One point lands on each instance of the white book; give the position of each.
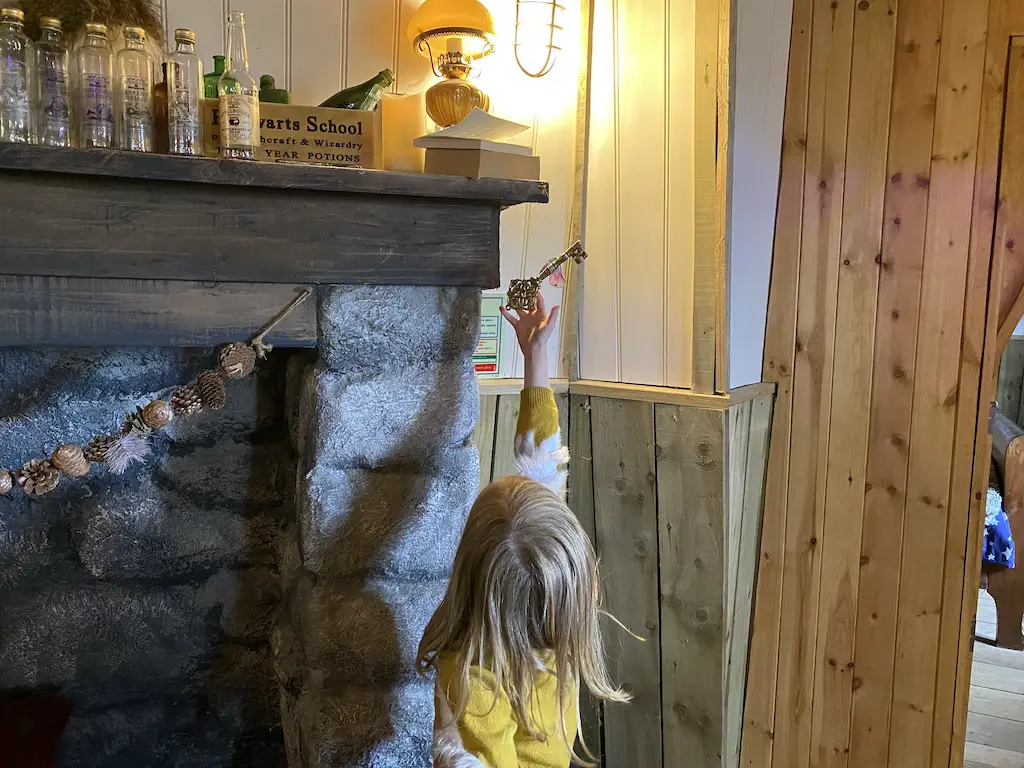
(478, 130)
(429, 142)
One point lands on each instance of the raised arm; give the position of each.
(539, 452)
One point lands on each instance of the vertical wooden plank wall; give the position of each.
(878, 311)
(678, 554)
(316, 47)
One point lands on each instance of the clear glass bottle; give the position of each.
(94, 95)
(51, 105)
(239, 97)
(133, 93)
(15, 57)
(184, 89)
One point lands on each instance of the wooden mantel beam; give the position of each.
(123, 248)
(77, 213)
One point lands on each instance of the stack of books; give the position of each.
(478, 147)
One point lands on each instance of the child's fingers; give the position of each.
(542, 305)
(507, 314)
(553, 317)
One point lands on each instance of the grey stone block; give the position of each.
(367, 633)
(172, 731)
(82, 637)
(152, 533)
(387, 522)
(408, 418)
(106, 642)
(375, 727)
(374, 328)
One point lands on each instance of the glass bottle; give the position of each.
(210, 81)
(51, 104)
(94, 95)
(184, 88)
(239, 97)
(15, 55)
(365, 96)
(133, 67)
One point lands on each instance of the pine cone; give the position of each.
(237, 360)
(38, 477)
(135, 423)
(157, 415)
(186, 401)
(96, 450)
(6, 482)
(211, 390)
(70, 459)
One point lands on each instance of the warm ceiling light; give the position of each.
(453, 34)
(537, 35)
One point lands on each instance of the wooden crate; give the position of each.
(292, 133)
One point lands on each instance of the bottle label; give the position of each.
(238, 121)
(136, 99)
(14, 90)
(55, 87)
(96, 98)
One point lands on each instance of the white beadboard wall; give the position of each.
(759, 75)
(637, 310)
(316, 47)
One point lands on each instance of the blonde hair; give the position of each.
(523, 593)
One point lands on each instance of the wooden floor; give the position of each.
(995, 725)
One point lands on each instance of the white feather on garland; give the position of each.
(127, 450)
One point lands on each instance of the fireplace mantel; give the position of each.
(100, 248)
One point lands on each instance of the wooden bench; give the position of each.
(1006, 585)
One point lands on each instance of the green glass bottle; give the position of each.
(210, 80)
(271, 94)
(365, 96)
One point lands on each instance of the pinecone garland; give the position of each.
(38, 477)
(186, 401)
(70, 459)
(237, 360)
(6, 482)
(157, 414)
(96, 450)
(211, 390)
(135, 423)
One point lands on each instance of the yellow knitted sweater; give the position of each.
(491, 735)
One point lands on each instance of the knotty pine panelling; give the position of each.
(876, 336)
(316, 47)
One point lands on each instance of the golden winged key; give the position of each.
(522, 294)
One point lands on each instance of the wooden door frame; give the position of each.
(988, 258)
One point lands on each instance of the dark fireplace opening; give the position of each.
(146, 602)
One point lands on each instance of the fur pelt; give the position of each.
(75, 14)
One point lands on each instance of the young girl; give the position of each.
(518, 627)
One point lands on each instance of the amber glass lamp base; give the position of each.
(453, 99)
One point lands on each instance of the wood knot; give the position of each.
(863, 5)
(701, 615)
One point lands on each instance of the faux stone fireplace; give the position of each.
(253, 595)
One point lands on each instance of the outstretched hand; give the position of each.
(533, 329)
